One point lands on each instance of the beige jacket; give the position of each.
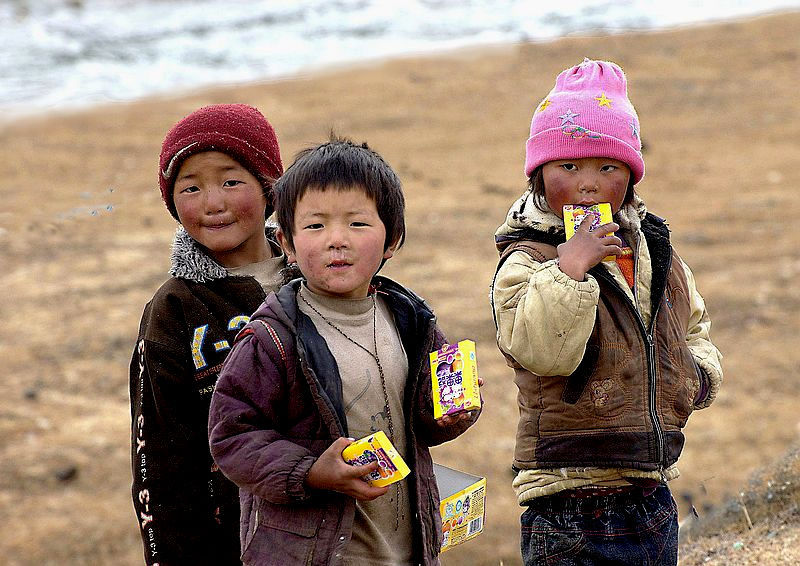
(545, 321)
(526, 292)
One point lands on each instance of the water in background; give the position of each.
(66, 53)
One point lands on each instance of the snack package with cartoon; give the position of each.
(454, 370)
(462, 505)
(377, 448)
(575, 213)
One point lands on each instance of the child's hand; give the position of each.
(461, 419)
(331, 472)
(586, 249)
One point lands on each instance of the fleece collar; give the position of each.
(190, 261)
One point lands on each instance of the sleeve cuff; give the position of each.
(709, 386)
(296, 481)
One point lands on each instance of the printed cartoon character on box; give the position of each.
(449, 373)
(385, 469)
(455, 515)
(458, 510)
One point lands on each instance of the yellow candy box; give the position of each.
(574, 214)
(454, 371)
(462, 505)
(377, 448)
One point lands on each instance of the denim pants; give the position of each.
(637, 528)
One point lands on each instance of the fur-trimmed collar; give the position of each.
(524, 216)
(190, 261)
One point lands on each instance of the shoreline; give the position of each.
(9, 116)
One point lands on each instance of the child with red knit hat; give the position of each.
(216, 173)
(607, 334)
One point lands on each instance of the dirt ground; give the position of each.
(84, 243)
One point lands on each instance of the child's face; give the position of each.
(338, 241)
(586, 181)
(221, 205)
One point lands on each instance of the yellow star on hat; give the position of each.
(602, 100)
(545, 103)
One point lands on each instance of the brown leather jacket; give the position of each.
(625, 404)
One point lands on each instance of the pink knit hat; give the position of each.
(237, 130)
(587, 114)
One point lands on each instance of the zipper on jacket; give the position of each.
(651, 376)
(652, 369)
(318, 385)
(651, 351)
(651, 357)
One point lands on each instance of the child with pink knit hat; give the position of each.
(606, 332)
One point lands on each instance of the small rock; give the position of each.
(67, 473)
(698, 238)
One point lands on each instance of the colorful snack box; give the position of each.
(377, 448)
(574, 215)
(454, 371)
(462, 505)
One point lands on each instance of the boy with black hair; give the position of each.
(336, 355)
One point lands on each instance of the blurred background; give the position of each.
(68, 53)
(445, 91)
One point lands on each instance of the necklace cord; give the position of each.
(386, 408)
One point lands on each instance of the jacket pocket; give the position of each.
(282, 534)
(577, 381)
(685, 382)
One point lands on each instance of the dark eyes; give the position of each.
(230, 183)
(319, 225)
(573, 167)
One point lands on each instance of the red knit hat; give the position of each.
(237, 130)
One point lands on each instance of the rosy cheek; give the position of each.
(186, 214)
(621, 191)
(251, 204)
(557, 195)
(251, 210)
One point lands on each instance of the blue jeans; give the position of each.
(637, 528)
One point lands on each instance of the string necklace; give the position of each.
(387, 410)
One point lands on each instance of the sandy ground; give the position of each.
(84, 242)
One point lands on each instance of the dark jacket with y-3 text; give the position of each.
(278, 406)
(187, 511)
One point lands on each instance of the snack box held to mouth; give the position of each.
(575, 213)
(462, 505)
(377, 448)
(454, 371)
